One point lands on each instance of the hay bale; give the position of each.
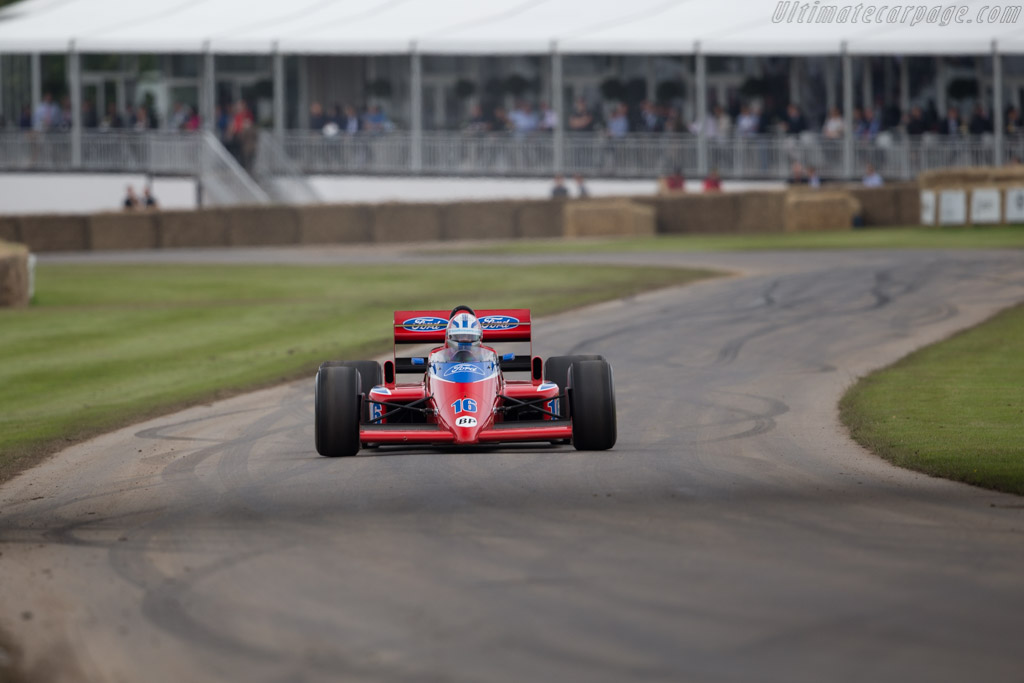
(819, 211)
(540, 218)
(399, 222)
(202, 228)
(57, 232)
(608, 218)
(117, 231)
(335, 224)
(258, 226)
(479, 220)
(760, 211)
(13, 275)
(9, 229)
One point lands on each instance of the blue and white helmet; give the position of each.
(463, 332)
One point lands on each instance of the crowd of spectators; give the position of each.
(347, 120)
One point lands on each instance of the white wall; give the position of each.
(86, 193)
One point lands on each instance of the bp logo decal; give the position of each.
(465, 421)
(499, 322)
(425, 324)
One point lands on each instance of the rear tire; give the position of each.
(338, 405)
(556, 369)
(592, 405)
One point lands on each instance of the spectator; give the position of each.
(25, 120)
(797, 175)
(813, 179)
(352, 123)
(834, 125)
(980, 122)
(476, 123)
(89, 118)
(377, 121)
(500, 121)
(673, 182)
(871, 177)
(131, 202)
(713, 183)
(524, 119)
(794, 122)
(747, 123)
(148, 199)
(650, 122)
(112, 120)
(317, 120)
(223, 119)
(1012, 122)
(193, 122)
(870, 124)
(548, 118)
(559, 191)
(179, 117)
(859, 126)
(141, 119)
(951, 125)
(46, 115)
(581, 189)
(723, 124)
(915, 124)
(581, 120)
(618, 125)
(674, 121)
(709, 124)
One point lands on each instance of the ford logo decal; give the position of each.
(425, 324)
(499, 322)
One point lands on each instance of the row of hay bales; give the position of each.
(720, 213)
(14, 275)
(966, 185)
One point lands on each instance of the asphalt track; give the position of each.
(733, 534)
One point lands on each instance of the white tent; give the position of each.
(727, 27)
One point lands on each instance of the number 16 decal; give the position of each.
(464, 405)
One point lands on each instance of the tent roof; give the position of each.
(724, 27)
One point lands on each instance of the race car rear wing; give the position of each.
(499, 326)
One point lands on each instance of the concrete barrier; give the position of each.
(819, 210)
(251, 226)
(14, 284)
(609, 218)
(540, 218)
(335, 224)
(58, 232)
(116, 231)
(492, 220)
(207, 228)
(407, 223)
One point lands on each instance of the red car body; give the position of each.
(464, 403)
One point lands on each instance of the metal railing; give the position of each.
(283, 164)
(224, 181)
(279, 176)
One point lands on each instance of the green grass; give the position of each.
(104, 346)
(869, 238)
(954, 409)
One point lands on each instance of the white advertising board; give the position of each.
(928, 207)
(985, 206)
(1015, 205)
(953, 207)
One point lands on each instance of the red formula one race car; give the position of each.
(461, 395)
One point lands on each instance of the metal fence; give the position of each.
(465, 154)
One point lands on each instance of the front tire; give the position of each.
(592, 405)
(556, 369)
(338, 405)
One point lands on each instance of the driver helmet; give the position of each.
(463, 333)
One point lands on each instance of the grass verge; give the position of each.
(954, 409)
(107, 346)
(994, 237)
